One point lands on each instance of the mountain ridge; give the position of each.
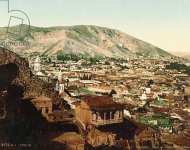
(88, 39)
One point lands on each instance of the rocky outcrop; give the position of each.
(20, 121)
(21, 75)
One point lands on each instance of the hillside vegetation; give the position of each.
(86, 40)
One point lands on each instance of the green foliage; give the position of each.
(107, 63)
(77, 57)
(111, 33)
(180, 67)
(83, 31)
(163, 121)
(21, 39)
(71, 56)
(44, 30)
(66, 57)
(95, 59)
(74, 36)
(160, 102)
(163, 53)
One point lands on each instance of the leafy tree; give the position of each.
(179, 67)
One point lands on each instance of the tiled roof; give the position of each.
(101, 102)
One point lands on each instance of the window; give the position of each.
(94, 117)
(47, 110)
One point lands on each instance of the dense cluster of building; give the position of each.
(135, 103)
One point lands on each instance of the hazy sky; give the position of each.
(165, 23)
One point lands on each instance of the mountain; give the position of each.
(87, 40)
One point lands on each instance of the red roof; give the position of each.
(101, 102)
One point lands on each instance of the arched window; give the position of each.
(98, 116)
(94, 117)
(47, 110)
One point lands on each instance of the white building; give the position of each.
(37, 65)
(59, 87)
(60, 76)
(143, 96)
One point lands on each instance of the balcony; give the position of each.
(106, 122)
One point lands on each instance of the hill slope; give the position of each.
(89, 40)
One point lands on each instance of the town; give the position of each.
(94, 75)
(123, 103)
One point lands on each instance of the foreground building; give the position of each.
(44, 105)
(103, 120)
(98, 111)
